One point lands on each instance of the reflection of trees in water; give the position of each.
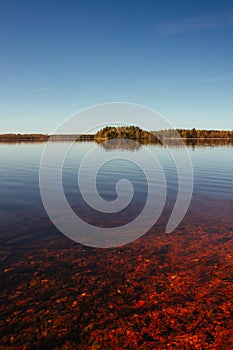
(179, 143)
(208, 142)
(120, 144)
(131, 145)
(13, 142)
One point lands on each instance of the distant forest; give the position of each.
(136, 133)
(24, 137)
(127, 132)
(195, 134)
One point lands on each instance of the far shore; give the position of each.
(127, 132)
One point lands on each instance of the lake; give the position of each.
(159, 291)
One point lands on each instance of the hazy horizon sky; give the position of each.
(58, 57)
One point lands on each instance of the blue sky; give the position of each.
(58, 57)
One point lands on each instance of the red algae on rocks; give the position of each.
(160, 292)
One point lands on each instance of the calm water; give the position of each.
(162, 291)
(21, 205)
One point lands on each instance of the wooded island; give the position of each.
(124, 132)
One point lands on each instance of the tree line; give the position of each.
(130, 132)
(125, 132)
(136, 133)
(194, 134)
(29, 137)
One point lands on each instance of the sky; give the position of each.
(57, 57)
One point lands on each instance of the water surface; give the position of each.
(162, 289)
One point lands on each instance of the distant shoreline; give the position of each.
(152, 136)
